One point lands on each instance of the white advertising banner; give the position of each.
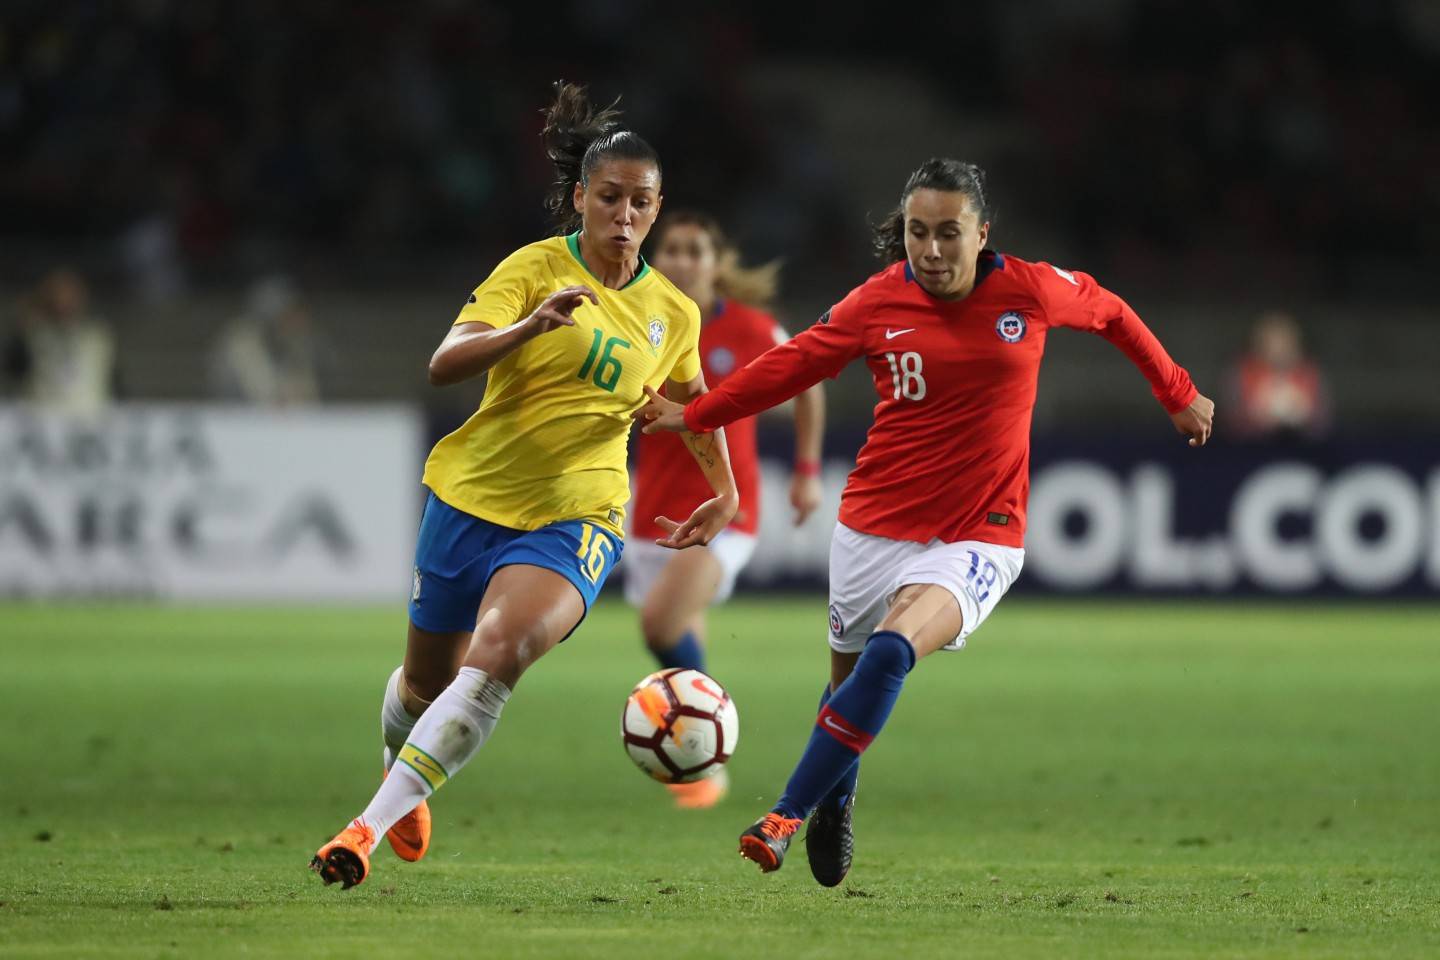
(1340, 521)
(210, 503)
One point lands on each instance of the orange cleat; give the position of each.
(410, 837)
(347, 857)
(767, 840)
(702, 794)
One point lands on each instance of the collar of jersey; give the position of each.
(715, 312)
(985, 264)
(573, 242)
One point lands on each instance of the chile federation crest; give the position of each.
(1011, 326)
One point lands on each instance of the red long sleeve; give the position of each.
(783, 371)
(1074, 299)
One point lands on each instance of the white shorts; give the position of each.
(867, 571)
(643, 560)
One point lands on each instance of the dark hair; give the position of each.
(755, 286)
(577, 138)
(937, 173)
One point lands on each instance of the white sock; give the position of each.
(452, 730)
(395, 721)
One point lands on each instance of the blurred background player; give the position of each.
(932, 520)
(672, 589)
(1278, 391)
(527, 498)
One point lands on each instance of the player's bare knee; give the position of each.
(531, 643)
(657, 628)
(505, 649)
(497, 657)
(494, 640)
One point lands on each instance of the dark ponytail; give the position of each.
(577, 138)
(937, 173)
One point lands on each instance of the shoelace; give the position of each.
(777, 827)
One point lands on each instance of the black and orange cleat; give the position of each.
(767, 840)
(346, 858)
(830, 842)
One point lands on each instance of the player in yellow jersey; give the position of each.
(527, 498)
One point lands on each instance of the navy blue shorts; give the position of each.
(457, 554)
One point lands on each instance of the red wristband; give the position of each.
(807, 468)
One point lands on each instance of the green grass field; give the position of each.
(1085, 780)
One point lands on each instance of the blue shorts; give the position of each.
(457, 554)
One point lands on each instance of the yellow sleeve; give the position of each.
(505, 296)
(687, 364)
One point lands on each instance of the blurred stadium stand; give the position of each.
(1212, 165)
(387, 156)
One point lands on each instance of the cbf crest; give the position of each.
(1011, 326)
(657, 333)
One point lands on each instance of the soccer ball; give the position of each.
(679, 725)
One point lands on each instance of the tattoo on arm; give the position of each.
(703, 446)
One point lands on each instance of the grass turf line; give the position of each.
(1086, 779)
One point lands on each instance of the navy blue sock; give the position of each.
(686, 653)
(847, 724)
(839, 793)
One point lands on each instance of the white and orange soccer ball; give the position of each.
(679, 725)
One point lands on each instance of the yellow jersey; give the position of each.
(549, 439)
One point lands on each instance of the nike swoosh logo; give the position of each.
(699, 684)
(830, 722)
(892, 334)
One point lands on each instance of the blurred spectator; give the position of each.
(1279, 393)
(61, 356)
(269, 355)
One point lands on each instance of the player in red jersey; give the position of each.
(932, 520)
(670, 588)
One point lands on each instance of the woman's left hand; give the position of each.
(709, 519)
(805, 495)
(1197, 420)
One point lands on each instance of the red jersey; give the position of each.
(667, 484)
(948, 456)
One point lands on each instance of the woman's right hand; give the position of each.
(471, 348)
(556, 311)
(660, 413)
